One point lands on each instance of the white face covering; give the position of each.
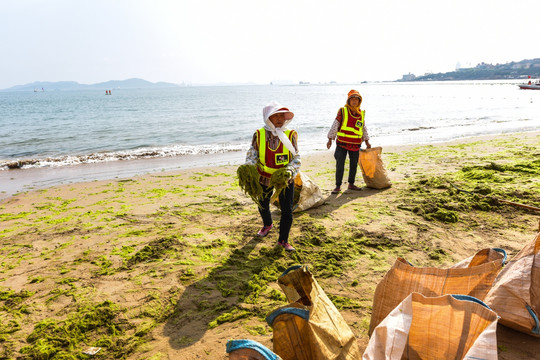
(270, 110)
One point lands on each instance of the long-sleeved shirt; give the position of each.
(335, 128)
(252, 156)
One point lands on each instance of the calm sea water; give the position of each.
(58, 128)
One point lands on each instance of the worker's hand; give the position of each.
(368, 145)
(329, 143)
(289, 173)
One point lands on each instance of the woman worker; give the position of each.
(274, 147)
(350, 129)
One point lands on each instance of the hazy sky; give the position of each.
(258, 40)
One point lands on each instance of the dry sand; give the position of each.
(67, 248)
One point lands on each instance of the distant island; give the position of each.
(512, 70)
(109, 85)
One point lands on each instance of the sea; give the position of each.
(64, 132)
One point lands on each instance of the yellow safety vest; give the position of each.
(281, 155)
(351, 134)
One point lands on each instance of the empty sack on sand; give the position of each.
(473, 276)
(444, 327)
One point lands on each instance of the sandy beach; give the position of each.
(166, 265)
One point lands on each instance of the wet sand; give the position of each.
(21, 180)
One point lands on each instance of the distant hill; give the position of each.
(109, 85)
(512, 70)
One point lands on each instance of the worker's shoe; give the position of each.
(286, 246)
(265, 230)
(336, 190)
(354, 187)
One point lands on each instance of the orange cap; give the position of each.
(354, 93)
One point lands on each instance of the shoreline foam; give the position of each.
(20, 180)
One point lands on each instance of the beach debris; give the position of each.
(92, 350)
(248, 180)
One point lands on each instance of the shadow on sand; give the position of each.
(332, 202)
(220, 292)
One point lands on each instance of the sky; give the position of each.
(258, 41)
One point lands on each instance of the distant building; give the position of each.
(408, 77)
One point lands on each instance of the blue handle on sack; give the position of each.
(470, 298)
(304, 314)
(233, 345)
(499, 250)
(292, 268)
(535, 330)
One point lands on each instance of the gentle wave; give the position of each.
(142, 153)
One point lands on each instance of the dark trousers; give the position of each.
(286, 203)
(340, 154)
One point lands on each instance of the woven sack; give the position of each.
(473, 277)
(373, 169)
(515, 294)
(307, 194)
(291, 333)
(445, 327)
(310, 327)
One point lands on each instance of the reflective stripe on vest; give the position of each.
(263, 147)
(351, 134)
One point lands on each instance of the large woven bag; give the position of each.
(373, 169)
(444, 327)
(515, 294)
(310, 327)
(473, 276)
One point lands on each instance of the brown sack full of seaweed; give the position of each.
(373, 169)
(515, 294)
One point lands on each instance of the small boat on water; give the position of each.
(530, 85)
